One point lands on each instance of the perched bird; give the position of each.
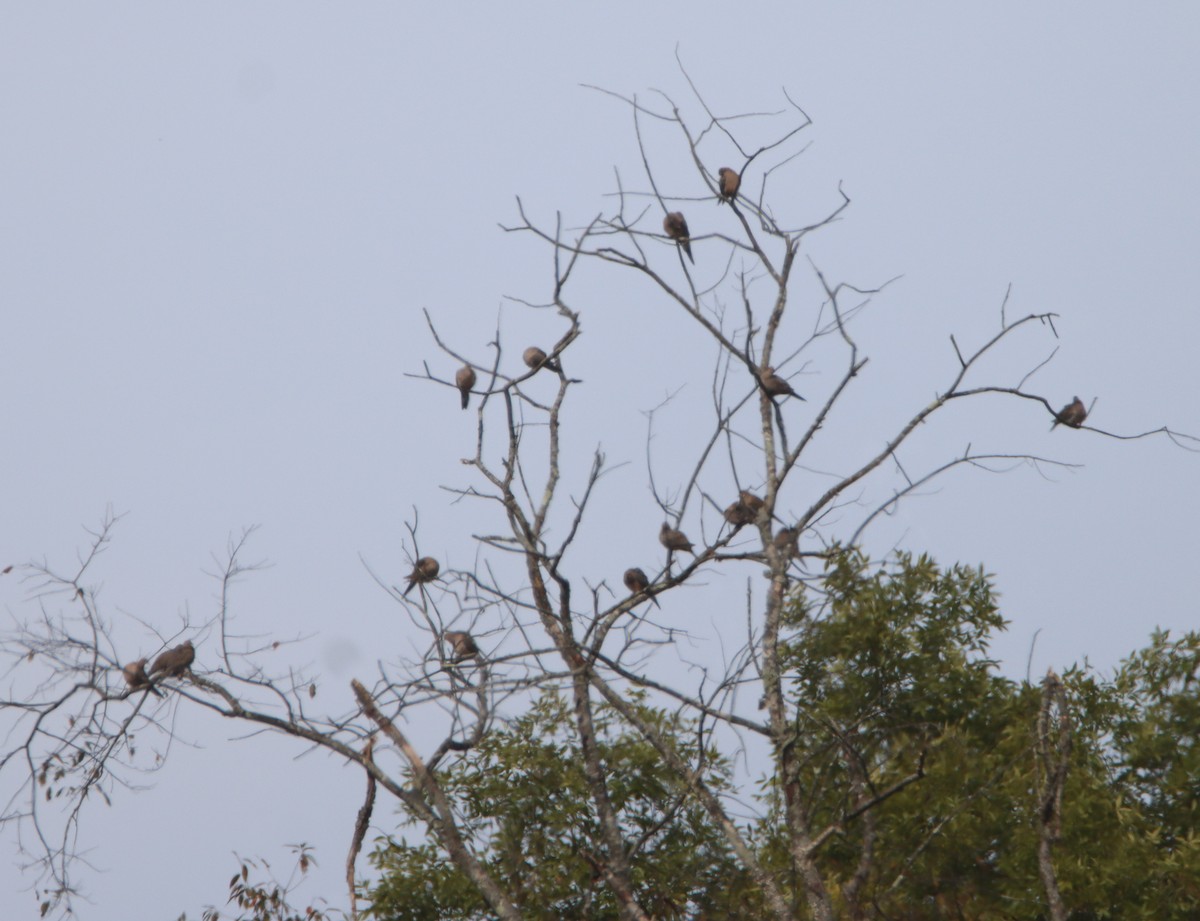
(788, 541)
(674, 540)
(463, 645)
(535, 358)
(426, 570)
(728, 183)
(464, 380)
(135, 677)
(1072, 414)
(677, 229)
(774, 385)
(740, 514)
(754, 502)
(636, 582)
(174, 662)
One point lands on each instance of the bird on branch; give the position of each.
(674, 540)
(535, 358)
(426, 570)
(174, 662)
(728, 183)
(677, 229)
(740, 514)
(787, 542)
(463, 645)
(136, 678)
(638, 584)
(1072, 414)
(464, 380)
(776, 386)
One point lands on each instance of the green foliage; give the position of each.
(887, 673)
(524, 798)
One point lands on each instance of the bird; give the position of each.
(774, 385)
(674, 540)
(787, 541)
(535, 358)
(676, 228)
(739, 514)
(728, 184)
(748, 498)
(463, 645)
(636, 582)
(1072, 414)
(174, 662)
(136, 678)
(464, 380)
(426, 570)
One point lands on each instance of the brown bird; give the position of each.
(674, 540)
(463, 645)
(426, 570)
(740, 514)
(135, 677)
(464, 380)
(677, 229)
(535, 358)
(788, 541)
(728, 184)
(774, 385)
(174, 662)
(1072, 414)
(753, 501)
(636, 582)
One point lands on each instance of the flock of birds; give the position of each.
(176, 662)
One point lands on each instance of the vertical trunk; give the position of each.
(1053, 745)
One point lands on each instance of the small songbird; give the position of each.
(774, 385)
(677, 229)
(787, 541)
(535, 358)
(426, 570)
(463, 645)
(674, 540)
(740, 514)
(464, 380)
(174, 662)
(1072, 414)
(728, 182)
(136, 678)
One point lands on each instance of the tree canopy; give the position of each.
(829, 740)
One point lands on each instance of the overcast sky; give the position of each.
(219, 224)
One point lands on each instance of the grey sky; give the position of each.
(219, 224)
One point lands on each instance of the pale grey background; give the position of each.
(219, 223)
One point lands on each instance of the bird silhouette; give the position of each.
(775, 385)
(174, 662)
(740, 514)
(535, 358)
(728, 183)
(136, 678)
(676, 228)
(426, 570)
(464, 380)
(463, 645)
(787, 541)
(674, 540)
(1072, 414)
(636, 582)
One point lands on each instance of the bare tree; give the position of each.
(528, 616)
